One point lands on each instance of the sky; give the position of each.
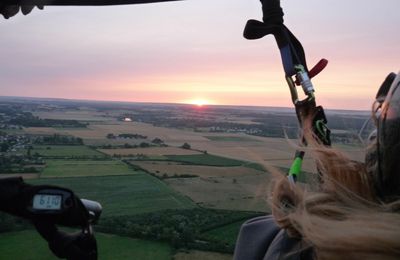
(193, 51)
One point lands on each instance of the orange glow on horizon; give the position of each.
(199, 102)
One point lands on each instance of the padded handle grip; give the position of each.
(80, 2)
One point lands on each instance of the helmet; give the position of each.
(383, 158)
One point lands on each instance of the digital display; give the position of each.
(47, 202)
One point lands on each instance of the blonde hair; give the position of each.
(342, 218)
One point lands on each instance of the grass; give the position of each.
(205, 159)
(255, 166)
(156, 157)
(124, 195)
(27, 245)
(230, 138)
(65, 151)
(24, 245)
(117, 247)
(212, 160)
(227, 233)
(74, 168)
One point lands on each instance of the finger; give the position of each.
(26, 9)
(9, 11)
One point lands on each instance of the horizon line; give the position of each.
(167, 103)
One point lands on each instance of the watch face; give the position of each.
(47, 202)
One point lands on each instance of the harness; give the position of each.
(296, 74)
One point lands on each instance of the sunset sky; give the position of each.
(180, 52)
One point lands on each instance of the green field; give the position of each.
(230, 138)
(227, 233)
(65, 151)
(212, 160)
(74, 168)
(124, 195)
(205, 159)
(28, 244)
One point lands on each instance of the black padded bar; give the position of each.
(81, 2)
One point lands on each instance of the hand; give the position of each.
(10, 10)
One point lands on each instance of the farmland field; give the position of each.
(167, 134)
(41, 130)
(170, 169)
(74, 168)
(124, 195)
(80, 115)
(162, 193)
(205, 159)
(28, 245)
(65, 151)
(228, 138)
(95, 133)
(273, 151)
(117, 247)
(238, 193)
(151, 151)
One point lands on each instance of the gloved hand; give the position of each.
(73, 246)
(16, 197)
(10, 10)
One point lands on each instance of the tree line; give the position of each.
(181, 228)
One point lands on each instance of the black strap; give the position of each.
(292, 52)
(272, 12)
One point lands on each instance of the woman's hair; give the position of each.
(340, 216)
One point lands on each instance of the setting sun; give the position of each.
(198, 102)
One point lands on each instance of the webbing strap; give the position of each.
(292, 52)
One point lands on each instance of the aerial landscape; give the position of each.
(178, 178)
(184, 121)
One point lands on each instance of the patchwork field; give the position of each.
(159, 192)
(95, 134)
(230, 138)
(151, 151)
(42, 130)
(247, 192)
(205, 159)
(172, 169)
(85, 114)
(28, 245)
(75, 168)
(65, 151)
(124, 195)
(167, 134)
(272, 151)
